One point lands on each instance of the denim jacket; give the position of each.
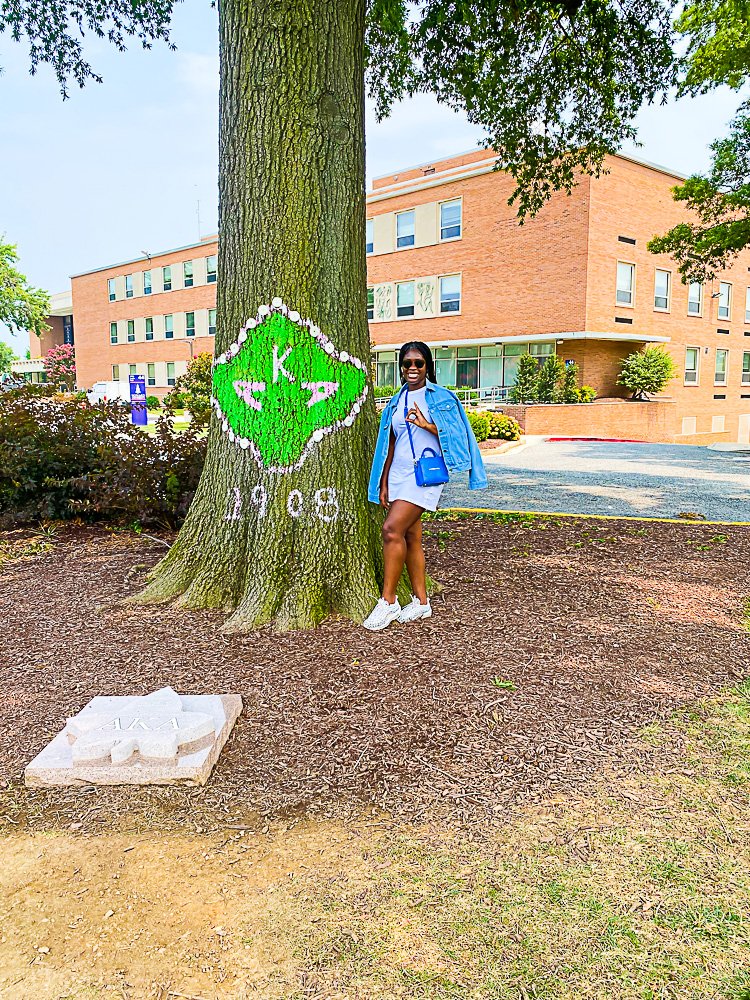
(457, 441)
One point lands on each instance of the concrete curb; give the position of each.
(592, 517)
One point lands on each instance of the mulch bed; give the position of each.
(600, 625)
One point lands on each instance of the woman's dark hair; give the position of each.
(418, 345)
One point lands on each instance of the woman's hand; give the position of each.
(384, 495)
(416, 417)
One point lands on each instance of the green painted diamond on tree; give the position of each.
(283, 385)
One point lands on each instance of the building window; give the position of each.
(695, 298)
(113, 333)
(450, 220)
(170, 372)
(692, 361)
(662, 290)
(149, 328)
(369, 238)
(128, 286)
(747, 305)
(151, 377)
(211, 270)
(370, 303)
(720, 371)
(169, 327)
(405, 229)
(187, 273)
(212, 322)
(166, 277)
(146, 282)
(625, 283)
(132, 370)
(746, 368)
(725, 299)
(115, 373)
(111, 287)
(405, 298)
(450, 293)
(386, 368)
(190, 324)
(131, 331)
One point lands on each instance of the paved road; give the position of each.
(635, 480)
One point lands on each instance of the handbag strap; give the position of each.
(408, 422)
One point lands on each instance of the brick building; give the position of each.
(448, 264)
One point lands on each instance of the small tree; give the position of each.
(569, 391)
(60, 365)
(7, 357)
(22, 307)
(194, 387)
(525, 390)
(647, 371)
(548, 381)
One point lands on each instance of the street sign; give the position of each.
(138, 409)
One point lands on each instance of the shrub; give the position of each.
(480, 424)
(548, 381)
(60, 365)
(587, 394)
(59, 459)
(384, 391)
(153, 402)
(569, 391)
(193, 390)
(525, 388)
(502, 427)
(647, 371)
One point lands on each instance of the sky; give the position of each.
(130, 165)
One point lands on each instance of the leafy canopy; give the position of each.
(7, 357)
(556, 84)
(22, 307)
(60, 365)
(647, 371)
(717, 33)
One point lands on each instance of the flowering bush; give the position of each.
(505, 428)
(60, 366)
(61, 459)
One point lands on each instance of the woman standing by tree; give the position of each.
(424, 435)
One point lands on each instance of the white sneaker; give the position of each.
(415, 610)
(382, 615)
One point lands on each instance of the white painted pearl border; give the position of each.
(264, 311)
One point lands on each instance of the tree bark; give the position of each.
(288, 546)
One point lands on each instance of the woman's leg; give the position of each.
(415, 563)
(400, 518)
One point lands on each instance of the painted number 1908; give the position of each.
(323, 505)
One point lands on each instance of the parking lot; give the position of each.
(623, 479)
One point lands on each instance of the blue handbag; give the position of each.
(430, 468)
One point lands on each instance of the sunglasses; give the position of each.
(413, 364)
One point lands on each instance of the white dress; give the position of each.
(402, 482)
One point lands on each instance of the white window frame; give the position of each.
(625, 305)
(413, 234)
(171, 379)
(132, 370)
(451, 201)
(450, 312)
(700, 299)
(113, 330)
(164, 282)
(149, 319)
(212, 327)
(747, 304)
(369, 231)
(725, 352)
(211, 275)
(403, 284)
(188, 277)
(188, 328)
(147, 287)
(111, 289)
(128, 286)
(115, 373)
(745, 377)
(668, 307)
(169, 316)
(687, 381)
(130, 335)
(370, 308)
(719, 307)
(151, 379)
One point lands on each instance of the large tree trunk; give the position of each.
(280, 529)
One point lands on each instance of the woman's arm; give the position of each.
(415, 416)
(387, 469)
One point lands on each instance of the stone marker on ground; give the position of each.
(158, 739)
